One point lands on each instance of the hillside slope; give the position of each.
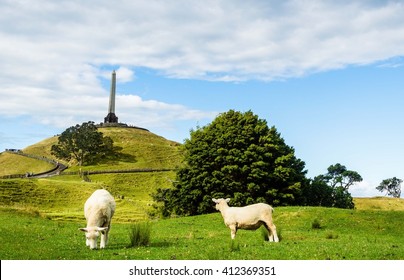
(11, 164)
(379, 203)
(62, 197)
(135, 148)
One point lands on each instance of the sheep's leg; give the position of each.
(104, 238)
(273, 232)
(233, 230)
(272, 235)
(104, 235)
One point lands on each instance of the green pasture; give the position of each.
(39, 219)
(341, 235)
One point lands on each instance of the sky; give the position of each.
(329, 75)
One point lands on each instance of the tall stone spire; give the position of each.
(111, 117)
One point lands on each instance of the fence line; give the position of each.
(136, 170)
(57, 166)
(83, 174)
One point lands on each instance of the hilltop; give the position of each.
(135, 148)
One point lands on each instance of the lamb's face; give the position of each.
(220, 203)
(91, 238)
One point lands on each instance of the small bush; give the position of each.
(316, 224)
(139, 234)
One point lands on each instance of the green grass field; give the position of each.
(343, 235)
(39, 219)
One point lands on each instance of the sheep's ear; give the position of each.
(214, 200)
(102, 228)
(83, 229)
(227, 200)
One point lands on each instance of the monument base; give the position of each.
(119, 125)
(111, 118)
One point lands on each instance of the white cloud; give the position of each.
(211, 40)
(123, 74)
(55, 54)
(133, 110)
(365, 189)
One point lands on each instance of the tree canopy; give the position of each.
(339, 175)
(392, 187)
(331, 189)
(236, 156)
(83, 143)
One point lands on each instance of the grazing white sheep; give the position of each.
(98, 210)
(250, 217)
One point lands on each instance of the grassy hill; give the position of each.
(15, 164)
(379, 203)
(135, 148)
(62, 197)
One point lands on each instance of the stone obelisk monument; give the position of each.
(111, 117)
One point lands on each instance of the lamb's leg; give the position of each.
(272, 235)
(104, 237)
(233, 230)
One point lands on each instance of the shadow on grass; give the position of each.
(115, 157)
(127, 245)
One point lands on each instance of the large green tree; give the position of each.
(83, 143)
(236, 156)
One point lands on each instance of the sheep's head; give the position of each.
(220, 203)
(92, 234)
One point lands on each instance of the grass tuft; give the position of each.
(139, 234)
(234, 246)
(331, 235)
(316, 224)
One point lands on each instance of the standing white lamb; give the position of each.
(250, 217)
(98, 210)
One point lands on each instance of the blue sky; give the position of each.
(328, 75)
